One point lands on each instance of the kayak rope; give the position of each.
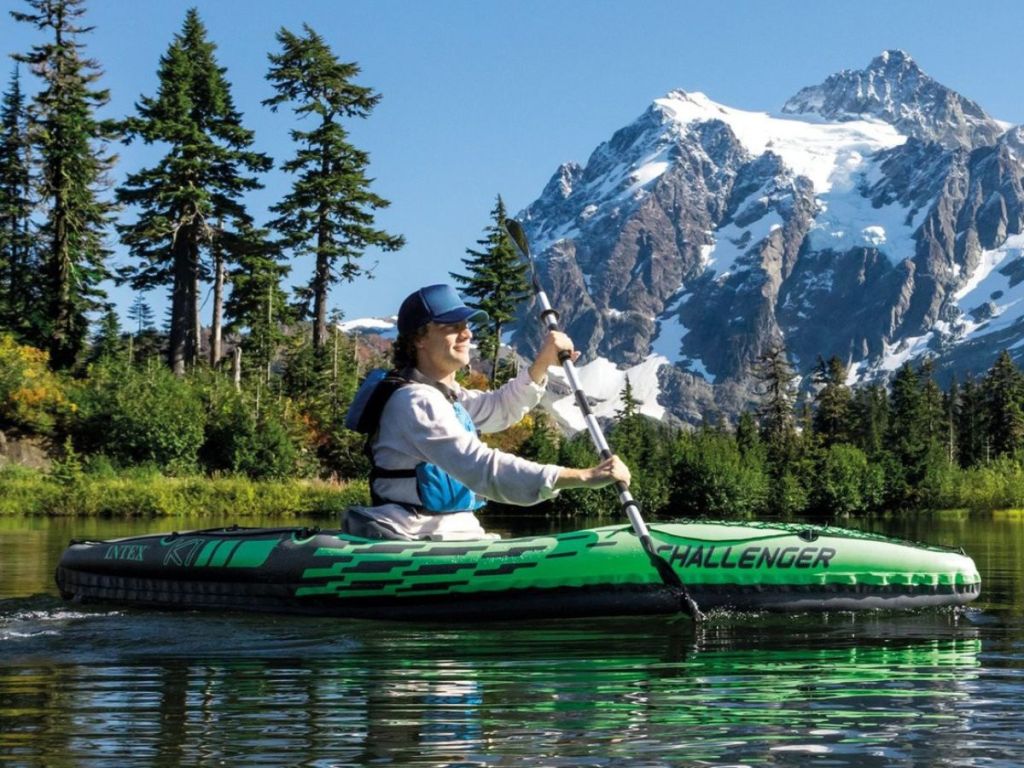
(811, 531)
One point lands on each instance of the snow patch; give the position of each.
(896, 354)
(987, 285)
(603, 383)
(874, 235)
(668, 339)
(823, 152)
(732, 242)
(847, 219)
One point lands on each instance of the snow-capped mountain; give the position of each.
(385, 327)
(878, 216)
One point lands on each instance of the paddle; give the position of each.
(549, 317)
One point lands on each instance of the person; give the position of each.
(431, 471)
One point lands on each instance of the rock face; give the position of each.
(878, 217)
(25, 452)
(894, 89)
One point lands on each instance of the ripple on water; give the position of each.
(138, 687)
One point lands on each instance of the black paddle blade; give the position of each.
(515, 231)
(671, 579)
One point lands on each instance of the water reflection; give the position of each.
(132, 688)
(97, 686)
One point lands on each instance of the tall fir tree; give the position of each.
(141, 314)
(777, 391)
(329, 212)
(908, 436)
(495, 281)
(1004, 406)
(257, 303)
(19, 290)
(951, 415)
(933, 411)
(630, 403)
(71, 146)
(870, 415)
(209, 165)
(907, 426)
(776, 388)
(971, 430)
(748, 439)
(108, 342)
(629, 430)
(542, 443)
(832, 415)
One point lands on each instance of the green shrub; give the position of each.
(840, 485)
(138, 417)
(712, 478)
(269, 446)
(584, 502)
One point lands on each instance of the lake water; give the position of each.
(102, 687)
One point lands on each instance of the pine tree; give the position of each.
(198, 182)
(870, 412)
(950, 413)
(630, 404)
(329, 211)
(832, 416)
(107, 342)
(907, 429)
(542, 444)
(19, 292)
(748, 440)
(775, 378)
(71, 145)
(141, 314)
(629, 432)
(495, 281)
(908, 436)
(778, 429)
(933, 411)
(257, 302)
(1004, 406)
(971, 429)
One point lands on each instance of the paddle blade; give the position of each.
(515, 231)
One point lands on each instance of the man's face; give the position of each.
(444, 348)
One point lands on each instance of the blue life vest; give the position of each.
(439, 492)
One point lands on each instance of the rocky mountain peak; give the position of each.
(895, 89)
(886, 224)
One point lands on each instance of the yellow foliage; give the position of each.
(474, 380)
(511, 440)
(31, 396)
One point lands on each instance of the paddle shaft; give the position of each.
(550, 319)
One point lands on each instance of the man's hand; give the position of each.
(554, 344)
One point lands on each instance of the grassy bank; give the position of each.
(27, 492)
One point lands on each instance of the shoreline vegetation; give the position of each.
(128, 438)
(141, 493)
(32, 493)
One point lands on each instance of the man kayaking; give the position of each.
(431, 471)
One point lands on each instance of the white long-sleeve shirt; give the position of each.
(418, 424)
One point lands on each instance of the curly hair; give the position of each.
(403, 352)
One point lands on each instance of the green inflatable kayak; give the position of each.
(594, 572)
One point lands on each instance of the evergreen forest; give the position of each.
(238, 403)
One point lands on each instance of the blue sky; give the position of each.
(482, 98)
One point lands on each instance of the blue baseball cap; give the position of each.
(435, 304)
